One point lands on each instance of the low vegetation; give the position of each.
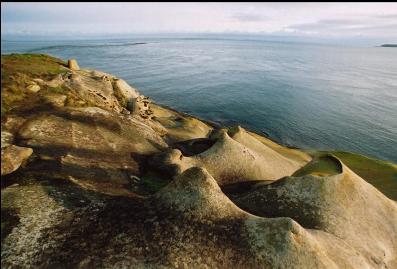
(17, 73)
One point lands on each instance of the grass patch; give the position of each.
(18, 70)
(37, 65)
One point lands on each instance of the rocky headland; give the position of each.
(389, 45)
(96, 175)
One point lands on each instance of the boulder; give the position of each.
(33, 88)
(73, 65)
(38, 81)
(125, 90)
(56, 100)
(11, 123)
(55, 82)
(7, 139)
(12, 157)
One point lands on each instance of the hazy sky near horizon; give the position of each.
(370, 20)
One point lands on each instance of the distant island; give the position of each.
(389, 45)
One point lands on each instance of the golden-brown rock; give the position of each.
(73, 65)
(12, 157)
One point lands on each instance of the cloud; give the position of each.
(248, 17)
(105, 18)
(387, 16)
(366, 25)
(323, 25)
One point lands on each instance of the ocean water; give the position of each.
(304, 95)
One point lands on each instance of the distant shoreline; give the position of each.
(388, 46)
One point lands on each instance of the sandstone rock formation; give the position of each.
(56, 100)
(196, 194)
(94, 90)
(189, 223)
(91, 144)
(229, 160)
(339, 203)
(12, 157)
(117, 181)
(125, 90)
(57, 81)
(140, 105)
(33, 88)
(7, 138)
(73, 65)
(180, 127)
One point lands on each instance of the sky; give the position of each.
(331, 20)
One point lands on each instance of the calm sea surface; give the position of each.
(304, 95)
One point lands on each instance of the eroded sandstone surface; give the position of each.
(96, 175)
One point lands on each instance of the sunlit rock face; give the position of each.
(339, 203)
(12, 157)
(73, 65)
(230, 160)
